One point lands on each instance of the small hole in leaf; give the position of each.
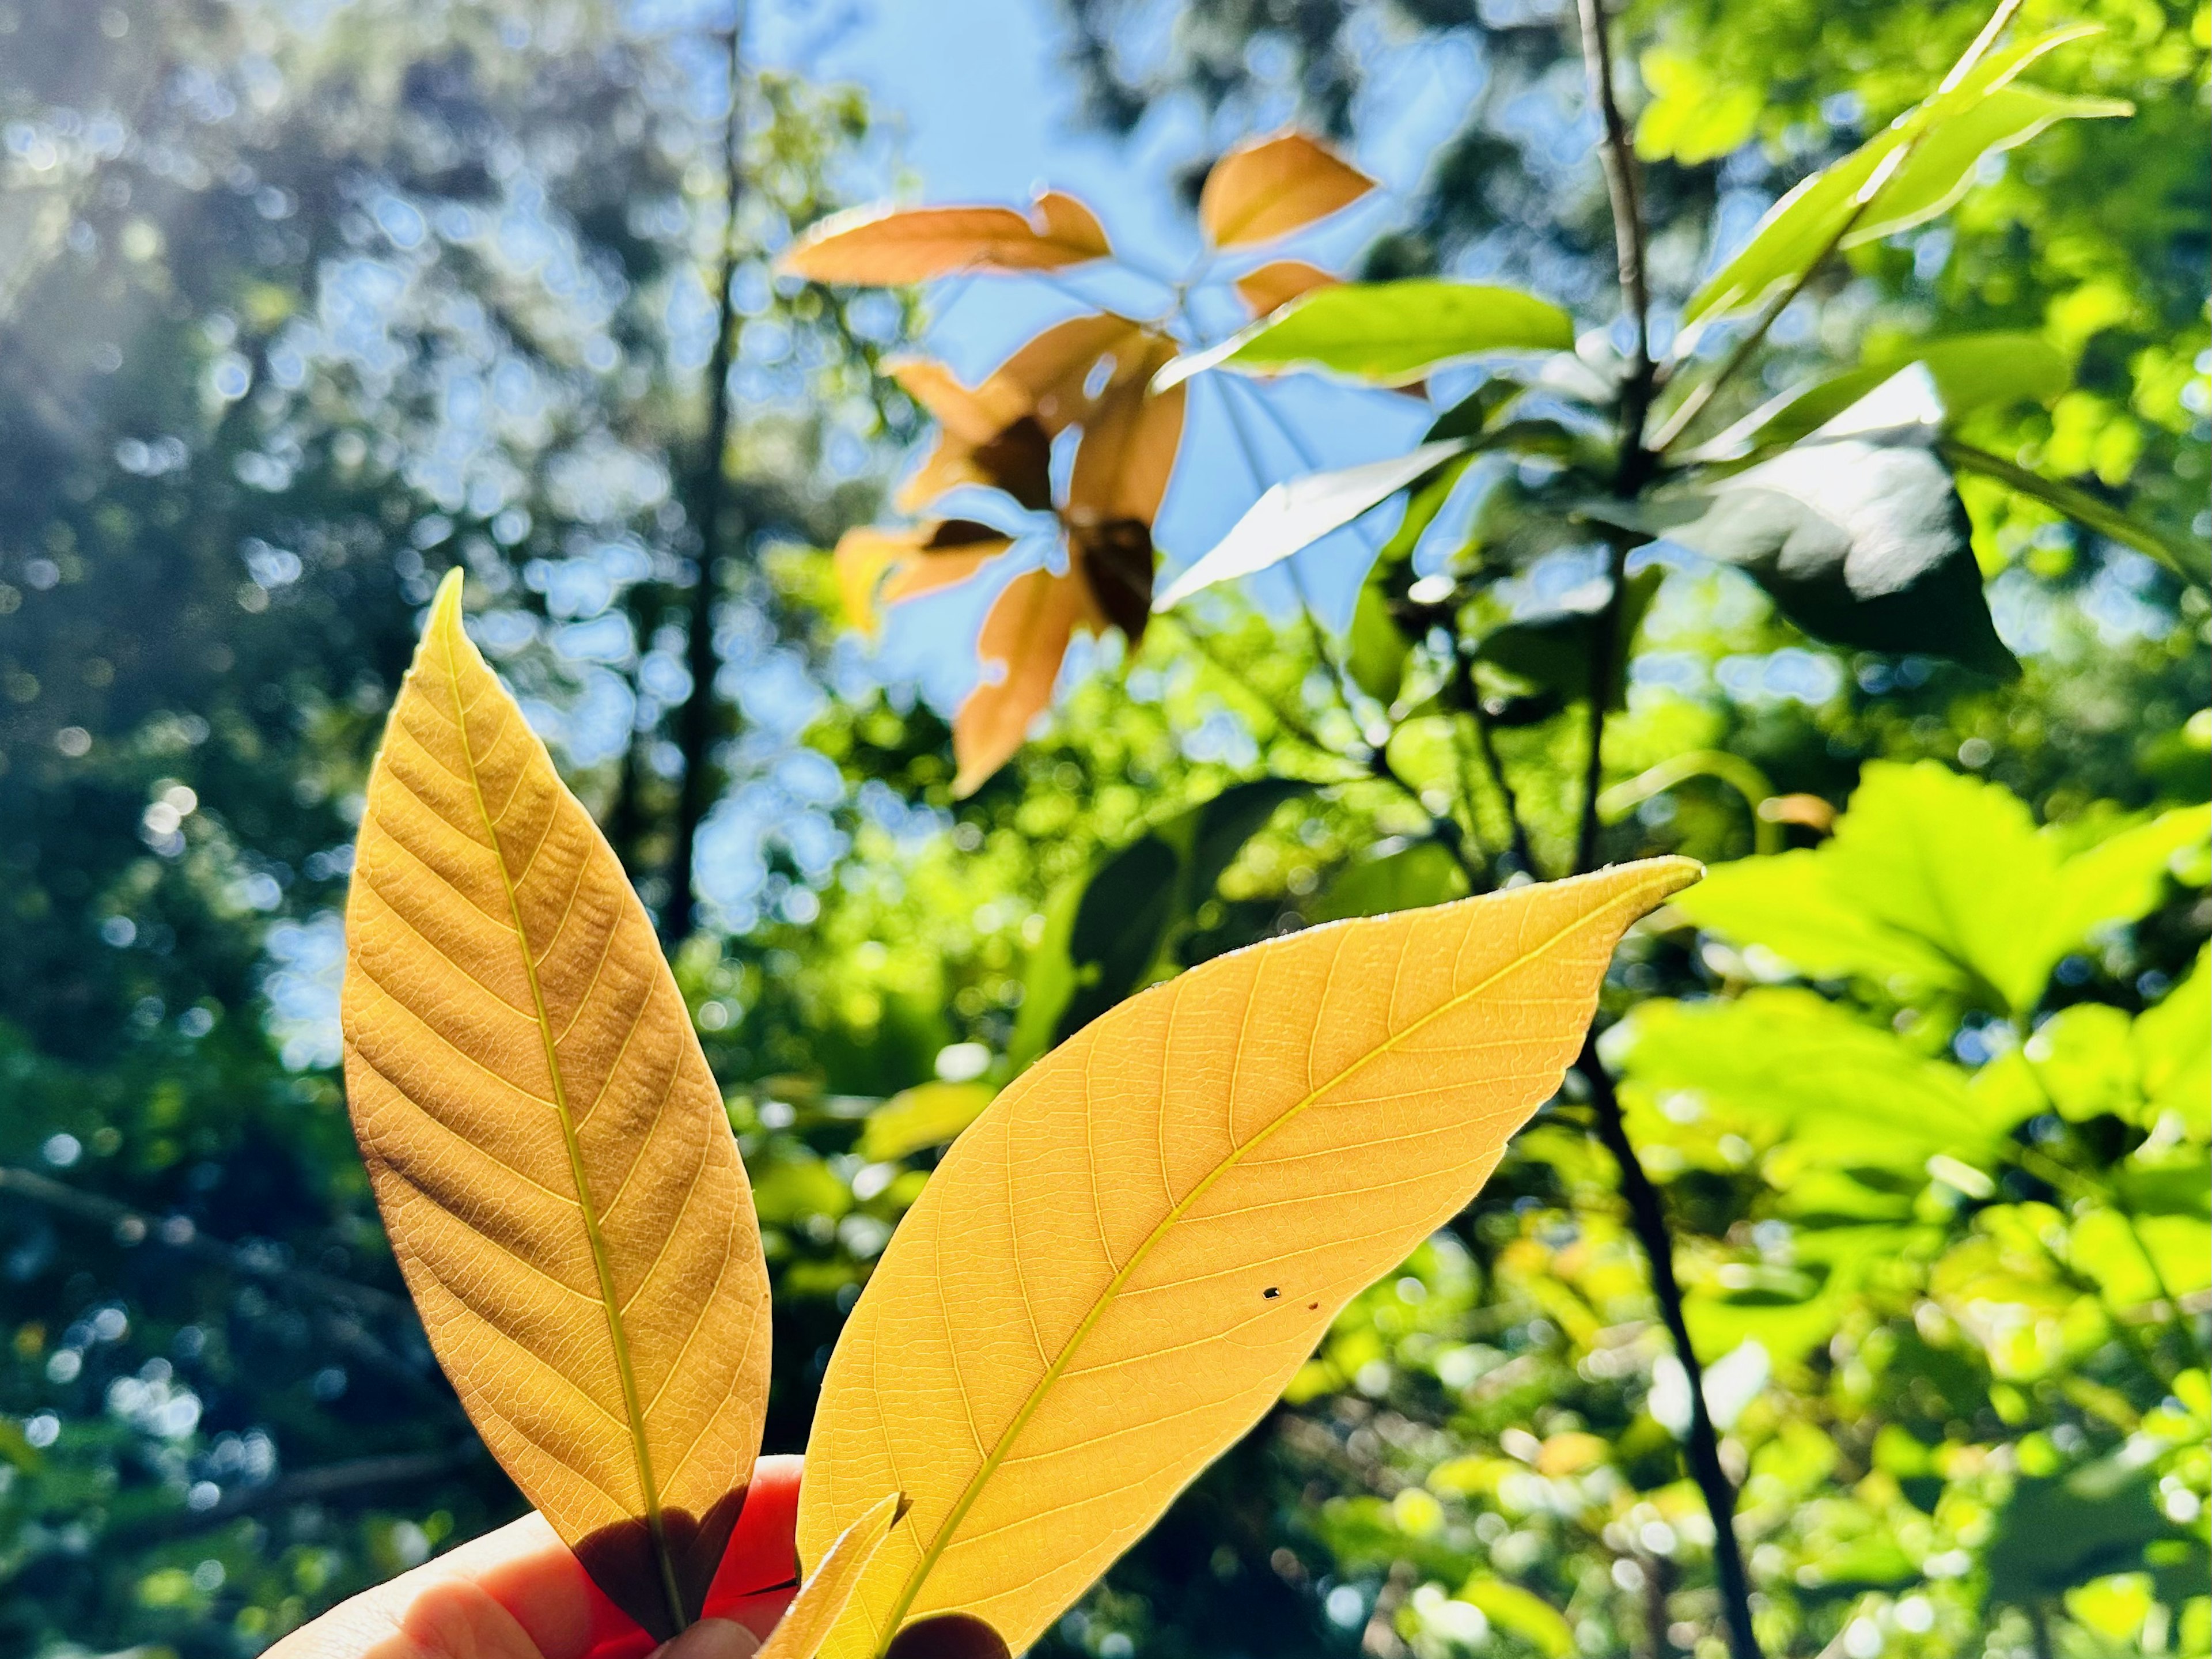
(1270, 1292)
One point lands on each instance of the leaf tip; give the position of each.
(1668, 876)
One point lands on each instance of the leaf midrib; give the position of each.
(942, 1539)
(602, 1266)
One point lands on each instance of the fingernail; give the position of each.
(712, 1638)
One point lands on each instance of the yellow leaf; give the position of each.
(1120, 1265)
(1273, 186)
(1025, 635)
(881, 247)
(927, 1114)
(799, 1634)
(548, 1147)
(1274, 285)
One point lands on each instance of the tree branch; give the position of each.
(711, 505)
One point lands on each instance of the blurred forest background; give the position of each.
(304, 301)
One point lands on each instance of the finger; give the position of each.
(712, 1638)
(517, 1592)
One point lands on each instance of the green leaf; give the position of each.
(1521, 1613)
(1550, 652)
(1409, 878)
(2173, 1049)
(1971, 372)
(2057, 1533)
(1376, 647)
(1697, 113)
(1938, 883)
(1111, 931)
(1985, 113)
(1781, 1064)
(1300, 512)
(2187, 560)
(1386, 333)
(1857, 534)
(927, 1114)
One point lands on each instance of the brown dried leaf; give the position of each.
(1273, 186)
(881, 246)
(1025, 636)
(1046, 379)
(1129, 443)
(877, 567)
(1275, 284)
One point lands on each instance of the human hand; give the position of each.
(518, 1593)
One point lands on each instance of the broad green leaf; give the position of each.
(1938, 882)
(927, 1114)
(2173, 1049)
(1116, 1271)
(1110, 931)
(830, 1582)
(1784, 1065)
(1985, 112)
(1970, 372)
(1386, 333)
(1301, 510)
(1857, 533)
(1375, 648)
(548, 1147)
(1408, 878)
(2082, 1059)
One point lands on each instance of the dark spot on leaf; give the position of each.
(1270, 1292)
(1312, 1306)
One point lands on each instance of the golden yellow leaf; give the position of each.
(879, 246)
(1275, 284)
(548, 1148)
(1118, 1267)
(1025, 638)
(1273, 186)
(799, 1633)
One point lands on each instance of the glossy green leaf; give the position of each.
(1971, 372)
(1987, 111)
(1386, 333)
(1299, 511)
(1857, 534)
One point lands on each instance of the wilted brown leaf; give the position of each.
(1273, 186)
(879, 246)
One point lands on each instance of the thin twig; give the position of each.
(305, 1486)
(1648, 1219)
